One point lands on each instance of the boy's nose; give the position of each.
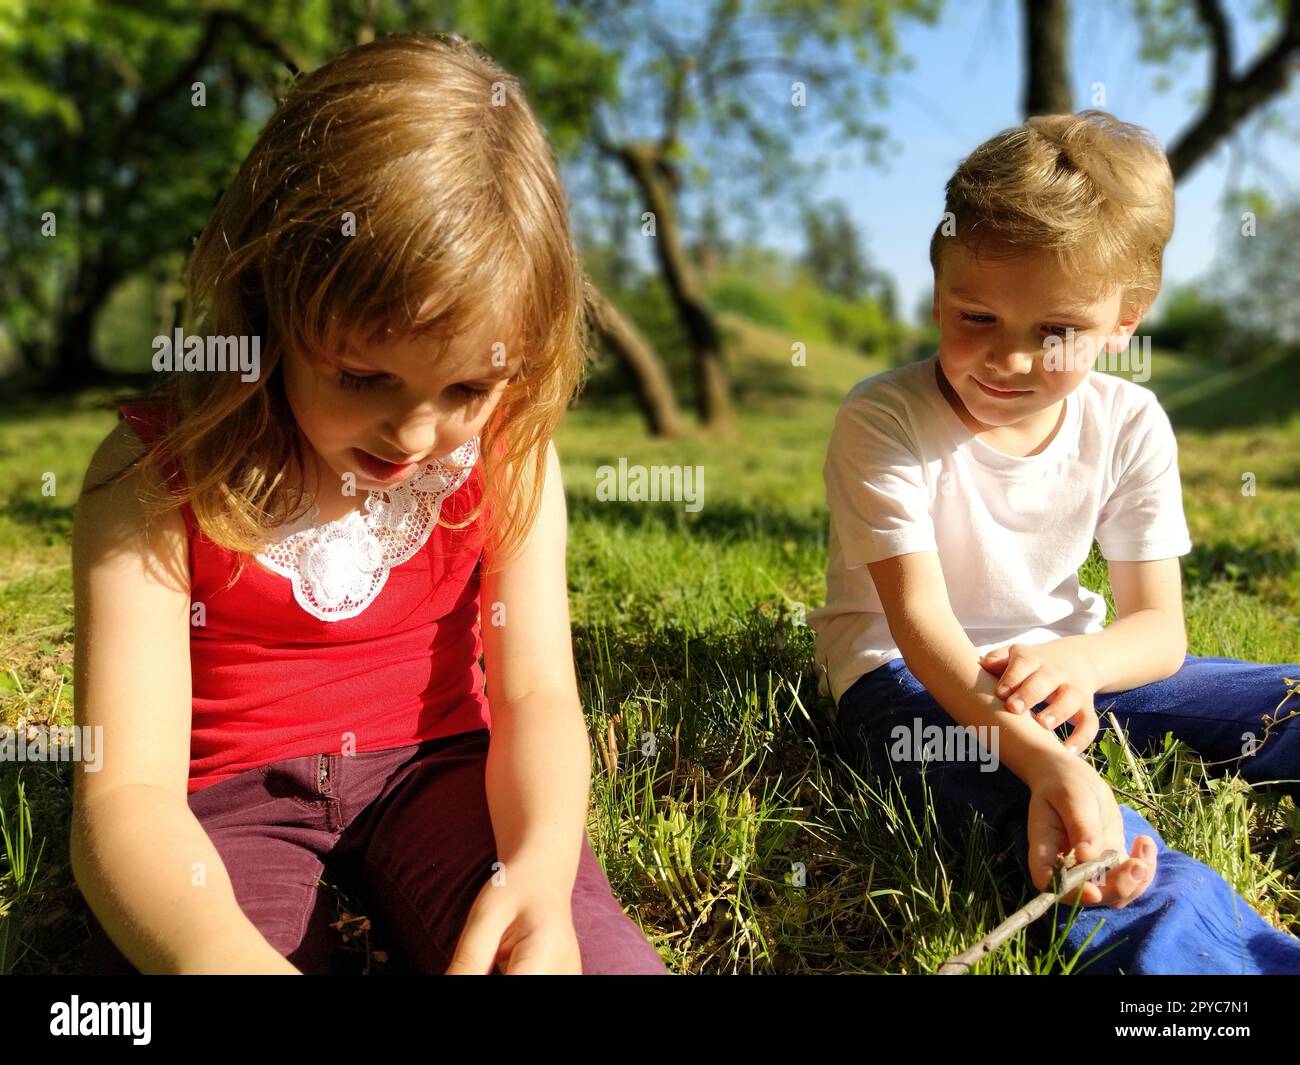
(1010, 363)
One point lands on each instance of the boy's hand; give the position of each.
(1071, 808)
(1058, 672)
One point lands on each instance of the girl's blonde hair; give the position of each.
(1096, 191)
(459, 215)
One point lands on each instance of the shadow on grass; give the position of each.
(1261, 394)
(720, 522)
(53, 520)
(1243, 562)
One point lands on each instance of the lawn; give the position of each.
(725, 812)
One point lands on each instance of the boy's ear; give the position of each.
(1127, 325)
(934, 304)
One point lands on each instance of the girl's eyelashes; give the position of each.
(358, 383)
(470, 392)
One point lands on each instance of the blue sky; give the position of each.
(966, 85)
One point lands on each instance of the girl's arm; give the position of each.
(140, 857)
(539, 760)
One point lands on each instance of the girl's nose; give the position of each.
(416, 435)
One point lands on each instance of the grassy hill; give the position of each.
(717, 774)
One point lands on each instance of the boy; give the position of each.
(966, 490)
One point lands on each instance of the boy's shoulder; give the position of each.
(904, 394)
(908, 397)
(894, 385)
(1120, 401)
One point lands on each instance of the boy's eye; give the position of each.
(1058, 330)
(979, 319)
(356, 383)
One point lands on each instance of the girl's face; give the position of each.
(996, 320)
(380, 414)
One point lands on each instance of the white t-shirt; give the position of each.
(904, 474)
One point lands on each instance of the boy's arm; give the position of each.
(1147, 640)
(1141, 531)
(1070, 808)
(941, 656)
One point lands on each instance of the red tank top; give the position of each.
(272, 681)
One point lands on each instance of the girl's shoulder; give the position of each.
(141, 423)
(149, 419)
(111, 509)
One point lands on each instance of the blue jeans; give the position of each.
(1189, 920)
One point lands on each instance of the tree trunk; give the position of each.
(74, 365)
(654, 389)
(645, 165)
(1047, 79)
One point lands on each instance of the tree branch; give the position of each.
(1234, 98)
(1221, 49)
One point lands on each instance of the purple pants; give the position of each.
(406, 832)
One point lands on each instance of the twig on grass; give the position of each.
(1134, 766)
(1068, 877)
(1271, 723)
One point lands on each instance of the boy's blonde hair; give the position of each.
(1096, 191)
(460, 216)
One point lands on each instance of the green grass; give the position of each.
(725, 811)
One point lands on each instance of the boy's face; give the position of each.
(995, 319)
(397, 404)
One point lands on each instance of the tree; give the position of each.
(121, 127)
(709, 83)
(1257, 279)
(111, 162)
(1047, 68)
(833, 251)
(1170, 26)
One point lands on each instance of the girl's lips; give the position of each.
(380, 470)
(1001, 393)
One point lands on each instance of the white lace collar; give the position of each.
(338, 568)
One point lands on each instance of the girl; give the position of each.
(280, 574)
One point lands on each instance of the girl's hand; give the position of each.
(1058, 672)
(519, 926)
